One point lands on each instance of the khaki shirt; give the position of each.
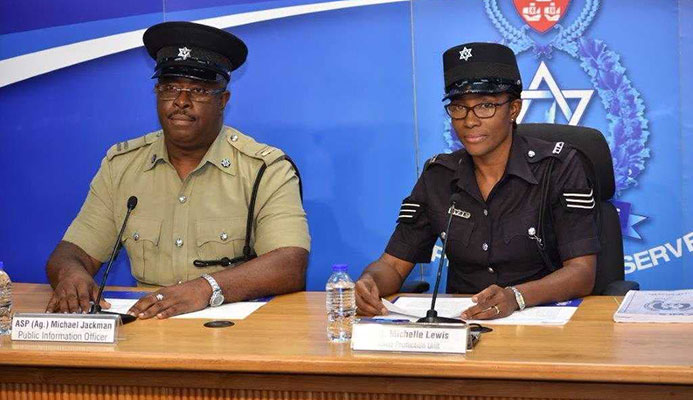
(201, 217)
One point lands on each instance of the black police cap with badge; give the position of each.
(194, 51)
(480, 68)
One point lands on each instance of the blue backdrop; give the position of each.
(351, 90)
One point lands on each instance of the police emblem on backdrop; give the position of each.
(541, 15)
(625, 127)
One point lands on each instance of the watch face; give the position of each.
(216, 300)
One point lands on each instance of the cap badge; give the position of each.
(465, 53)
(184, 53)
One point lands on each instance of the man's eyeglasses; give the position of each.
(481, 110)
(197, 94)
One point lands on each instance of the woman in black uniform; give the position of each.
(497, 177)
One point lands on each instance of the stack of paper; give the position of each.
(656, 306)
(413, 308)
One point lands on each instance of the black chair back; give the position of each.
(599, 168)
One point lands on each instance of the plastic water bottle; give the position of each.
(340, 304)
(5, 301)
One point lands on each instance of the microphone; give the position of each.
(432, 314)
(96, 307)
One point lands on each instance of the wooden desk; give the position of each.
(281, 351)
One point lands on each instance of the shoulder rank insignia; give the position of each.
(409, 212)
(578, 199)
(558, 147)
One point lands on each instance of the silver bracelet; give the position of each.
(518, 297)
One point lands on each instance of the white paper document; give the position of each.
(238, 310)
(412, 308)
(656, 306)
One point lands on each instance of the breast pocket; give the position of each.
(141, 240)
(516, 236)
(460, 232)
(220, 237)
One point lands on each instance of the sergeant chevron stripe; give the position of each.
(579, 199)
(408, 212)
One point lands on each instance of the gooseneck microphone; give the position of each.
(432, 314)
(96, 307)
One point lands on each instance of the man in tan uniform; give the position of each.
(194, 181)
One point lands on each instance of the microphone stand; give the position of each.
(432, 315)
(96, 307)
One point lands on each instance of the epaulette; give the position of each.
(251, 148)
(132, 144)
(447, 160)
(541, 149)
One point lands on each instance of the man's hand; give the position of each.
(75, 293)
(177, 299)
(491, 303)
(368, 297)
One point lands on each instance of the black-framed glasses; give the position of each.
(481, 110)
(196, 93)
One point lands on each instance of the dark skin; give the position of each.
(488, 141)
(189, 128)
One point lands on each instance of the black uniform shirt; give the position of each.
(489, 241)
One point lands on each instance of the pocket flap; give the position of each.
(520, 226)
(142, 228)
(221, 230)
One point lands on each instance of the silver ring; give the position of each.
(497, 310)
(159, 297)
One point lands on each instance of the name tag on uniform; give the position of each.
(75, 328)
(459, 213)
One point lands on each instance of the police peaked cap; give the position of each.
(480, 68)
(195, 51)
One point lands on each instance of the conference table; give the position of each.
(281, 352)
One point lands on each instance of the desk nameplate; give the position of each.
(71, 328)
(410, 337)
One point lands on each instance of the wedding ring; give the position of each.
(159, 297)
(497, 310)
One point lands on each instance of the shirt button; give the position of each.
(182, 199)
(136, 236)
(490, 270)
(531, 153)
(484, 246)
(179, 242)
(531, 231)
(485, 212)
(223, 236)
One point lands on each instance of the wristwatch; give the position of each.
(518, 297)
(217, 298)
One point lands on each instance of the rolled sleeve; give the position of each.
(281, 220)
(575, 227)
(94, 230)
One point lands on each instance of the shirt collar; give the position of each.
(157, 153)
(517, 161)
(517, 165)
(217, 154)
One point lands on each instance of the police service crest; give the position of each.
(627, 128)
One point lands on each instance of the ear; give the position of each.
(223, 100)
(515, 108)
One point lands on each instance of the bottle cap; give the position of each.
(339, 267)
